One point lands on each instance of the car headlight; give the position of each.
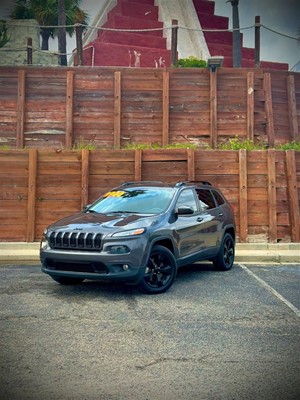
(131, 232)
(44, 241)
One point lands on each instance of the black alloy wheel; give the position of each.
(225, 258)
(160, 271)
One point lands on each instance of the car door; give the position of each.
(212, 218)
(187, 227)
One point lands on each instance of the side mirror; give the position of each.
(184, 210)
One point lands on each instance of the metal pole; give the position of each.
(79, 50)
(236, 36)
(174, 41)
(29, 51)
(257, 41)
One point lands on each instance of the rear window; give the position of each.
(206, 199)
(219, 199)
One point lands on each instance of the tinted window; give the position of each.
(206, 199)
(187, 199)
(219, 198)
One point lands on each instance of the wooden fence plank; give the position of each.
(292, 107)
(166, 108)
(243, 195)
(69, 109)
(269, 108)
(20, 109)
(293, 195)
(250, 105)
(84, 177)
(31, 205)
(272, 197)
(117, 109)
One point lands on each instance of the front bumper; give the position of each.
(92, 265)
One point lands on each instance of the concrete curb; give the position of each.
(277, 253)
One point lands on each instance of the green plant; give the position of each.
(238, 144)
(289, 146)
(5, 147)
(191, 62)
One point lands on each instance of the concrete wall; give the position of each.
(15, 51)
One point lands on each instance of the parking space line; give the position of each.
(271, 290)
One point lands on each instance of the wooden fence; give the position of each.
(39, 186)
(112, 107)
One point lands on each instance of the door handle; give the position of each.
(221, 214)
(199, 219)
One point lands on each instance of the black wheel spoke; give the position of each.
(160, 271)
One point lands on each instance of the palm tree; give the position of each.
(3, 33)
(46, 13)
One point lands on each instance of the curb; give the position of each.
(277, 253)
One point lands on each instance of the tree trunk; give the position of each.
(45, 33)
(62, 43)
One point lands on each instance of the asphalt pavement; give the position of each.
(213, 336)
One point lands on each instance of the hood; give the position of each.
(86, 220)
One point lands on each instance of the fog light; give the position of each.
(119, 250)
(125, 267)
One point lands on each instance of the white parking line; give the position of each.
(271, 290)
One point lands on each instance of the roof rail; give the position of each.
(142, 183)
(193, 183)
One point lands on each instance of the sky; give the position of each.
(282, 16)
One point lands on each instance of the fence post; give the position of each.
(213, 109)
(292, 107)
(174, 40)
(31, 204)
(293, 195)
(243, 186)
(250, 105)
(20, 109)
(269, 108)
(191, 164)
(272, 196)
(257, 41)
(69, 109)
(166, 107)
(117, 109)
(138, 165)
(85, 158)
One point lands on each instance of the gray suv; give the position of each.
(141, 233)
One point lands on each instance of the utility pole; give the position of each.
(62, 42)
(236, 37)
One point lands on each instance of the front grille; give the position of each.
(75, 240)
(92, 267)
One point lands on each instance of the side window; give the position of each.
(187, 198)
(206, 199)
(219, 198)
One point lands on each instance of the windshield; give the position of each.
(134, 200)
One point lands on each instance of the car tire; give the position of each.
(225, 258)
(160, 272)
(64, 280)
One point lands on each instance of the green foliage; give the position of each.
(156, 146)
(5, 147)
(289, 146)
(238, 144)
(3, 33)
(46, 14)
(191, 62)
